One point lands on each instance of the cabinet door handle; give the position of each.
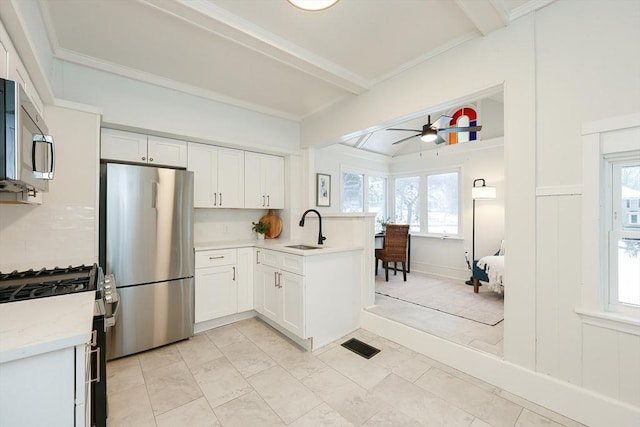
(220, 199)
(268, 200)
(234, 274)
(215, 199)
(151, 159)
(263, 201)
(275, 279)
(217, 257)
(257, 257)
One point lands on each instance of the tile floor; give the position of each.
(457, 329)
(247, 374)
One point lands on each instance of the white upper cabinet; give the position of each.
(164, 151)
(4, 61)
(139, 148)
(218, 176)
(264, 181)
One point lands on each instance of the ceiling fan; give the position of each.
(430, 132)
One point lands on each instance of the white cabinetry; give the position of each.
(309, 296)
(42, 390)
(4, 61)
(281, 290)
(139, 148)
(218, 176)
(264, 181)
(216, 294)
(245, 279)
(224, 283)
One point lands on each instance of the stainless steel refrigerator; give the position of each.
(146, 242)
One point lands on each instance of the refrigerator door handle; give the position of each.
(154, 195)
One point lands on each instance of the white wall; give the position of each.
(574, 87)
(132, 104)
(571, 62)
(63, 230)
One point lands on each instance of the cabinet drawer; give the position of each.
(215, 258)
(283, 261)
(292, 263)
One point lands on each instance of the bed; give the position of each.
(493, 269)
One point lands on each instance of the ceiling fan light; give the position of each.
(429, 135)
(313, 5)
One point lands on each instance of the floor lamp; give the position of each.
(478, 192)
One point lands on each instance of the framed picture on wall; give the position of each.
(323, 189)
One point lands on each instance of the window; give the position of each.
(358, 197)
(624, 236)
(610, 252)
(407, 201)
(352, 192)
(443, 203)
(377, 198)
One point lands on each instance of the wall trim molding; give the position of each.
(559, 190)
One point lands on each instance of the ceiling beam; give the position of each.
(486, 15)
(223, 23)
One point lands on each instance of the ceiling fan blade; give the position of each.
(440, 140)
(407, 138)
(461, 129)
(443, 121)
(408, 130)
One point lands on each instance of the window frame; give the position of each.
(366, 174)
(425, 218)
(421, 202)
(614, 230)
(606, 137)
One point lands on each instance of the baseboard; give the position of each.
(449, 273)
(559, 396)
(221, 321)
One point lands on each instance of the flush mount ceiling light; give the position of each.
(313, 5)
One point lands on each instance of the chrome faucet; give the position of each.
(321, 238)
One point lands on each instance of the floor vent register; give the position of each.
(360, 348)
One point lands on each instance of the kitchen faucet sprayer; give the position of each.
(321, 238)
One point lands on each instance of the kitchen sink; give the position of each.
(302, 247)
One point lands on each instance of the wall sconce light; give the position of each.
(478, 192)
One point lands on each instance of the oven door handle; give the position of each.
(114, 301)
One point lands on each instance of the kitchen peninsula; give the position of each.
(311, 295)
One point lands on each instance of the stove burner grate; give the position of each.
(29, 284)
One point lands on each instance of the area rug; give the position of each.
(449, 296)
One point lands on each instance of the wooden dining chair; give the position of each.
(394, 249)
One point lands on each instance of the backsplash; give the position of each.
(46, 236)
(215, 225)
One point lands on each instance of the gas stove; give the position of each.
(29, 284)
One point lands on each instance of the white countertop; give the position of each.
(41, 325)
(276, 245)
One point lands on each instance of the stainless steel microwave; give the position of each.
(26, 148)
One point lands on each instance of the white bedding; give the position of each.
(494, 266)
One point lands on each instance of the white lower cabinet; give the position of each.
(281, 289)
(315, 298)
(224, 284)
(50, 380)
